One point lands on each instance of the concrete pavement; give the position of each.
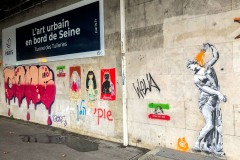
(20, 140)
(161, 153)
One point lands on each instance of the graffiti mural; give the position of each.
(108, 84)
(91, 87)
(205, 78)
(158, 111)
(75, 83)
(143, 87)
(103, 113)
(34, 83)
(182, 145)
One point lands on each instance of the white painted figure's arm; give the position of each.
(215, 54)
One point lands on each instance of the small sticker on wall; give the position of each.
(158, 111)
(61, 72)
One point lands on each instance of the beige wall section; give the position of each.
(161, 37)
(62, 106)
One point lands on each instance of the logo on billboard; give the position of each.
(9, 50)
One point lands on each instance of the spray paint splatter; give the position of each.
(200, 58)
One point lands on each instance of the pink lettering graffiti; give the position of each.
(35, 83)
(102, 113)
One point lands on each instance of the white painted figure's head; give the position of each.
(192, 65)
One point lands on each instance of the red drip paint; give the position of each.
(159, 116)
(9, 112)
(35, 94)
(20, 93)
(28, 94)
(49, 121)
(28, 116)
(9, 92)
(32, 93)
(47, 94)
(34, 86)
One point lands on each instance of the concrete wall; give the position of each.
(63, 110)
(161, 37)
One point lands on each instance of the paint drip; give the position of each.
(28, 116)
(9, 112)
(49, 120)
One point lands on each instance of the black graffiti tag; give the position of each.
(143, 87)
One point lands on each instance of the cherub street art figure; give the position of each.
(205, 78)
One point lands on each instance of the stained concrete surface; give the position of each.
(73, 142)
(20, 140)
(161, 153)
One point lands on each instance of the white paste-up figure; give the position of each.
(205, 78)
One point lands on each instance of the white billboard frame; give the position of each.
(9, 38)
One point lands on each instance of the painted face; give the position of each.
(90, 76)
(106, 76)
(74, 77)
(192, 67)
